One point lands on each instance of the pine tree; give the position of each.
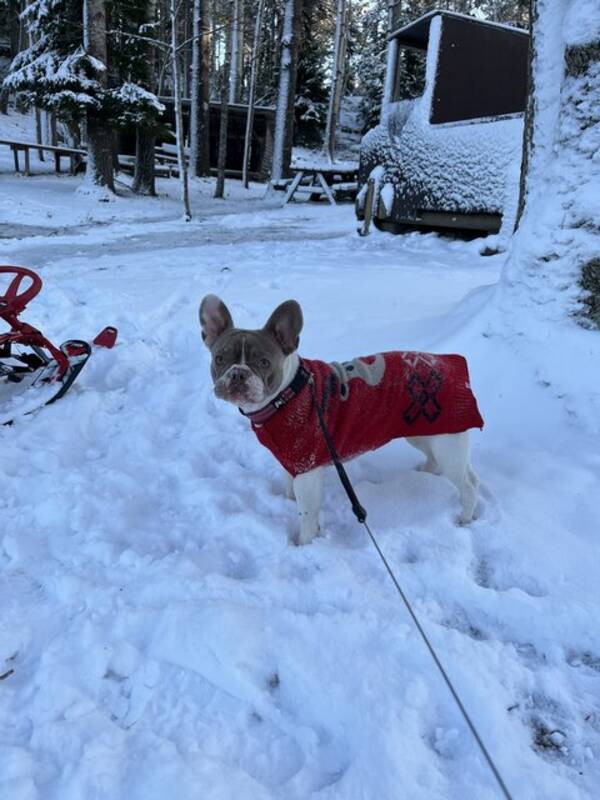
(369, 59)
(337, 77)
(55, 72)
(313, 75)
(134, 61)
(85, 75)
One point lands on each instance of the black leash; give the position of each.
(361, 515)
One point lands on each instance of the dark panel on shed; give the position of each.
(262, 133)
(236, 134)
(481, 72)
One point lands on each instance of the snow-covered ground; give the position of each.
(158, 634)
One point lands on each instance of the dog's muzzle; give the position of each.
(240, 385)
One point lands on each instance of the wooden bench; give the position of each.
(58, 151)
(163, 167)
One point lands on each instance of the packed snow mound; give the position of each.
(159, 634)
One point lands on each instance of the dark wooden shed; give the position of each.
(262, 136)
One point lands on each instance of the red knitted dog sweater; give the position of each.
(367, 403)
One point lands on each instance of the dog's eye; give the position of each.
(219, 359)
(265, 363)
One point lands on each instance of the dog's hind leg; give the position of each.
(452, 455)
(289, 485)
(308, 489)
(422, 443)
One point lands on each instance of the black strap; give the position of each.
(359, 511)
(283, 398)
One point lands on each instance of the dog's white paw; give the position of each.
(465, 519)
(306, 537)
(430, 467)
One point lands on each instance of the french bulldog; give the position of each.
(422, 397)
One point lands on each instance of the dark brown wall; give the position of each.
(262, 136)
(481, 72)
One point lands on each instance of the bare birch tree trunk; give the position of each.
(284, 119)
(223, 123)
(162, 56)
(240, 53)
(179, 132)
(145, 135)
(38, 115)
(99, 170)
(186, 54)
(234, 52)
(337, 78)
(200, 94)
(252, 92)
(214, 39)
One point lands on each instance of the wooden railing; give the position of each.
(73, 154)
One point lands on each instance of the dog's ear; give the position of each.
(215, 319)
(285, 324)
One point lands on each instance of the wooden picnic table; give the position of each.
(57, 150)
(319, 181)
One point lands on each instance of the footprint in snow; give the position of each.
(269, 755)
(583, 659)
(232, 562)
(459, 621)
(555, 730)
(331, 764)
(493, 571)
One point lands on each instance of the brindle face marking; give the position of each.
(247, 365)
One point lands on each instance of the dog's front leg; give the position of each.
(308, 489)
(289, 485)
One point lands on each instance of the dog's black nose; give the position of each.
(237, 377)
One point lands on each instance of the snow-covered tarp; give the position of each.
(460, 167)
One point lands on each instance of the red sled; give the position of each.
(28, 360)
